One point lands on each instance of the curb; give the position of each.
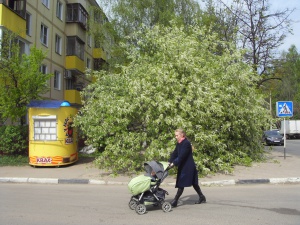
(289, 180)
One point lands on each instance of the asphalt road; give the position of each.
(292, 147)
(67, 204)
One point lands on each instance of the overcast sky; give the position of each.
(291, 38)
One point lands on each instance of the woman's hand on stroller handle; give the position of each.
(171, 165)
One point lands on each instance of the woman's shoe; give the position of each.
(174, 203)
(201, 200)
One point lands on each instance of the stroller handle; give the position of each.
(169, 167)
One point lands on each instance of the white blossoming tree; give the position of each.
(175, 79)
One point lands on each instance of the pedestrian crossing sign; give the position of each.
(284, 109)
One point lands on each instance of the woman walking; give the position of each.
(187, 175)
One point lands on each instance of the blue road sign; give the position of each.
(284, 109)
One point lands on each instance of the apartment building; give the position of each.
(59, 28)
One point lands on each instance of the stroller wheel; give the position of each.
(166, 206)
(132, 204)
(140, 209)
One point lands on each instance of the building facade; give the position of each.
(60, 29)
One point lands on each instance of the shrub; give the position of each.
(14, 140)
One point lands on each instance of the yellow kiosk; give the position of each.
(52, 138)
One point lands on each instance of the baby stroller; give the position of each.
(145, 188)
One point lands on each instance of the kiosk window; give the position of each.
(45, 129)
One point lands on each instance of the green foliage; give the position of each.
(288, 89)
(221, 20)
(20, 79)
(14, 140)
(8, 160)
(129, 16)
(175, 79)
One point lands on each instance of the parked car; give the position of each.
(273, 137)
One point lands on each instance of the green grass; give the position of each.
(13, 160)
(23, 160)
(93, 155)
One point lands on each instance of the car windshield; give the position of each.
(272, 132)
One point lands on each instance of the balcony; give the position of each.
(73, 96)
(11, 20)
(73, 62)
(18, 6)
(76, 13)
(98, 53)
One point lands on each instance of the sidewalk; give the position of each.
(276, 170)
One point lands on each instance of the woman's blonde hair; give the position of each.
(180, 130)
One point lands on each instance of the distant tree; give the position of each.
(288, 69)
(128, 16)
(221, 20)
(258, 29)
(20, 78)
(174, 79)
(104, 35)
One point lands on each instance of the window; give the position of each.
(22, 47)
(58, 44)
(89, 40)
(69, 80)
(18, 6)
(97, 43)
(99, 64)
(43, 69)
(75, 46)
(57, 79)
(45, 128)
(28, 24)
(46, 3)
(44, 34)
(88, 63)
(59, 10)
(11, 43)
(70, 84)
(76, 13)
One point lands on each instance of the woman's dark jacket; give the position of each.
(182, 157)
